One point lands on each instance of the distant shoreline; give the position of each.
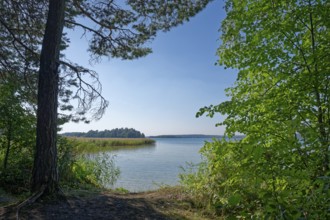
(190, 136)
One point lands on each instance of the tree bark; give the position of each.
(45, 172)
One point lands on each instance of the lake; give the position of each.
(149, 167)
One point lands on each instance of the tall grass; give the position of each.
(78, 171)
(83, 145)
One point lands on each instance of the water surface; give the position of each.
(148, 167)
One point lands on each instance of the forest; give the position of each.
(113, 133)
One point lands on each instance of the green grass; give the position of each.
(84, 145)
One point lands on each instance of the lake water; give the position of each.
(149, 167)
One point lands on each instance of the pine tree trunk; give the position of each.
(45, 173)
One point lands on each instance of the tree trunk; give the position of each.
(45, 173)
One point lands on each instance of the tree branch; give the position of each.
(17, 39)
(86, 92)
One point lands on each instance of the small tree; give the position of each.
(16, 122)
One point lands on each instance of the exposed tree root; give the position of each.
(27, 202)
(30, 200)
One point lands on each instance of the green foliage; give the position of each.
(121, 190)
(75, 171)
(16, 178)
(80, 170)
(280, 102)
(114, 133)
(237, 179)
(17, 137)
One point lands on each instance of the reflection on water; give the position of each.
(132, 148)
(148, 167)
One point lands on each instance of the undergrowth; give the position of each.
(76, 171)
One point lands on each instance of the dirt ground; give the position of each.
(104, 205)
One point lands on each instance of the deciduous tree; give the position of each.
(280, 102)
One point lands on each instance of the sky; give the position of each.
(161, 93)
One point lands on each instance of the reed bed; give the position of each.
(84, 144)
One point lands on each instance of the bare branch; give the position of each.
(86, 93)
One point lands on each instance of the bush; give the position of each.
(15, 178)
(237, 179)
(82, 171)
(75, 170)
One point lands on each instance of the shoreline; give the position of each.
(85, 145)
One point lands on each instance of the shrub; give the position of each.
(240, 180)
(85, 170)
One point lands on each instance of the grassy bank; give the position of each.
(104, 144)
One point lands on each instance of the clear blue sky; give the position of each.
(161, 93)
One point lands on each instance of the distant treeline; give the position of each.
(114, 133)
